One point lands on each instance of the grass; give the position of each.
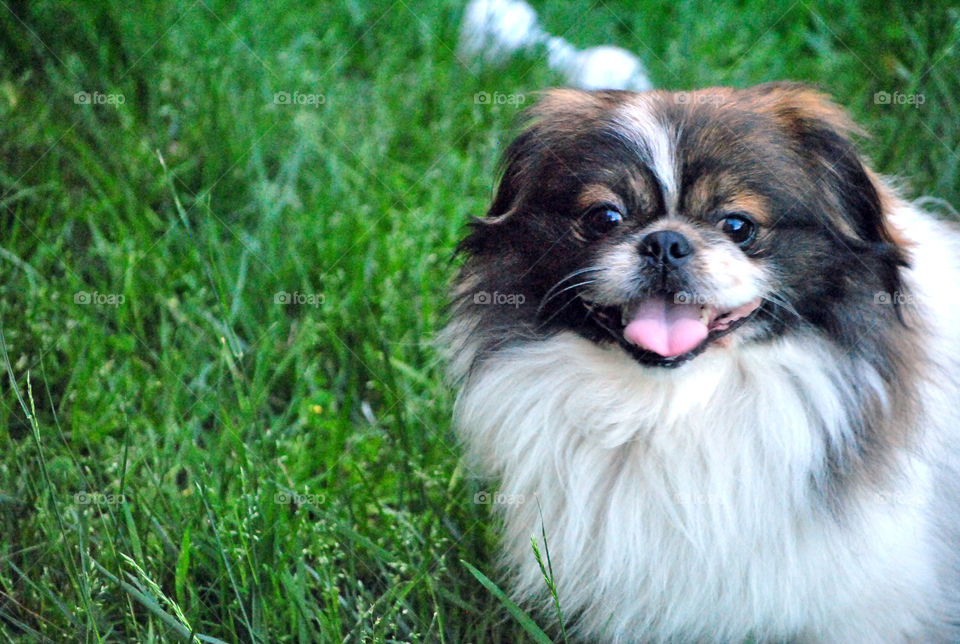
(183, 453)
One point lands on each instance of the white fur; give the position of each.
(678, 504)
(493, 30)
(659, 139)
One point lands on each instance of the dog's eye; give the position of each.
(602, 219)
(738, 228)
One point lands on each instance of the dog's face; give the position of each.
(670, 223)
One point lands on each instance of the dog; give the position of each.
(719, 358)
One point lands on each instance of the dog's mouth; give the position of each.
(662, 332)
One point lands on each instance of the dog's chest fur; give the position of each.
(797, 478)
(703, 504)
(679, 503)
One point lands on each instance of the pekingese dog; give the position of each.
(719, 358)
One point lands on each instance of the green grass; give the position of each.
(199, 457)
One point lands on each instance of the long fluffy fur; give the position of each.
(698, 504)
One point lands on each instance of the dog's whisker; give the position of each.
(547, 300)
(779, 302)
(568, 276)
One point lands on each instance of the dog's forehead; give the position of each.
(701, 150)
(642, 120)
(755, 150)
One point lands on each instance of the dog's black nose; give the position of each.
(665, 248)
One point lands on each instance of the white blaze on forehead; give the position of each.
(658, 139)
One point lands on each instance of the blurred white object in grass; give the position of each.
(494, 30)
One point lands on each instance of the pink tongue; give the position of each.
(666, 328)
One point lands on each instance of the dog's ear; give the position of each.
(558, 115)
(847, 189)
(516, 165)
(822, 134)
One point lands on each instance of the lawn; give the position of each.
(226, 235)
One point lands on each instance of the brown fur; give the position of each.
(780, 153)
